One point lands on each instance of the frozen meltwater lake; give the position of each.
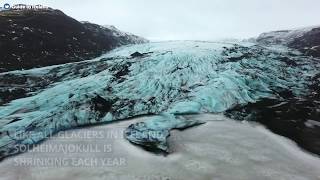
(221, 149)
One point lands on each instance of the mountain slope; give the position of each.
(306, 40)
(38, 38)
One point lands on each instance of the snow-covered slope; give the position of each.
(306, 40)
(128, 37)
(282, 37)
(164, 78)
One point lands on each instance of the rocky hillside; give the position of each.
(306, 40)
(37, 38)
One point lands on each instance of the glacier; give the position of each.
(170, 79)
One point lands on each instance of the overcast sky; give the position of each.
(191, 19)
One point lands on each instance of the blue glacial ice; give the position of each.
(153, 133)
(174, 78)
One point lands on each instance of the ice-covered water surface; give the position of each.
(172, 78)
(220, 149)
